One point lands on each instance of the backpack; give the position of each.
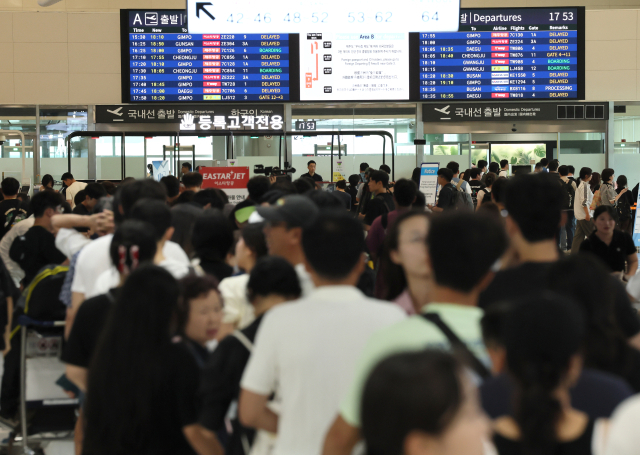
(40, 299)
(569, 195)
(13, 217)
(623, 208)
(474, 194)
(461, 200)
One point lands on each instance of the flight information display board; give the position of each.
(506, 54)
(163, 62)
(501, 54)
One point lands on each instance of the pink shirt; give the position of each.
(404, 301)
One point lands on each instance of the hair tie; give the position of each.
(134, 254)
(122, 259)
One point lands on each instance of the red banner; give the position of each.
(225, 177)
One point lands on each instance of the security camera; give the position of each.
(514, 128)
(3, 139)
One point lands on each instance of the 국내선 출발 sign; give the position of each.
(232, 180)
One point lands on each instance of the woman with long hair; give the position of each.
(484, 195)
(405, 262)
(585, 280)
(543, 336)
(595, 182)
(47, 182)
(141, 396)
(625, 204)
(614, 247)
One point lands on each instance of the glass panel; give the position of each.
(446, 144)
(479, 152)
(518, 154)
(56, 123)
(17, 119)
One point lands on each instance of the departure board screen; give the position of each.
(506, 54)
(162, 62)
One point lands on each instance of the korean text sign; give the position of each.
(232, 180)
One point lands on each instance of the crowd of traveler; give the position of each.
(304, 322)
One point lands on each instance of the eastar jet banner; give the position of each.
(232, 180)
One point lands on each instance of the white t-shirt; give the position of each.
(503, 174)
(17, 274)
(624, 437)
(306, 283)
(110, 278)
(237, 309)
(74, 189)
(308, 350)
(94, 259)
(70, 241)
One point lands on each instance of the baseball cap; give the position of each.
(295, 210)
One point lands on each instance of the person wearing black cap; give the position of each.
(285, 221)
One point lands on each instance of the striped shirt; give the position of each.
(584, 197)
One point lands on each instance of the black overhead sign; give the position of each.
(506, 112)
(196, 117)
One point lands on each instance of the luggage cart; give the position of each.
(53, 412)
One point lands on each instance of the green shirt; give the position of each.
(413, 334)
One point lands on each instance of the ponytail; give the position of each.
(542, 333)
(536, 410)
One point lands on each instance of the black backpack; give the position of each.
(474, 194)
(461, 200)
(623, 207)
(569, 195)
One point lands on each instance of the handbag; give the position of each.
(597, 201)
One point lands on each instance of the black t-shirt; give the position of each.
(353, 192)
(345, 198)
(514, 283)
(476, 186)
(445, 199)
(596, 393)
(580, 446)
(615, 254)
(34, 250)
(220, 386)
(88, 324)
(315, 177)
(520, 281)
(12, 211)
(379, 205)
(174, 406)
(80, 209)
(220, 270)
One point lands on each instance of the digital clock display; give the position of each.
(505, 54)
